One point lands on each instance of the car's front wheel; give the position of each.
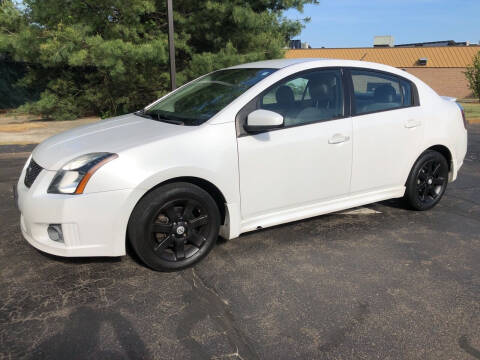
(174, 226)
(427, 181)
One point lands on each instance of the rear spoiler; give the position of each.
(448, 98)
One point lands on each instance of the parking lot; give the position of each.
(380, 282)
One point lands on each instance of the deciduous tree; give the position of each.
(473, 76)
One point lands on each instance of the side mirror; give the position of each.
(263, 120)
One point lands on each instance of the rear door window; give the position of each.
(375, 91)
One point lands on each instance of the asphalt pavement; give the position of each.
(380, 283)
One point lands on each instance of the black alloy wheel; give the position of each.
(174, 226)
(427, 181)
(179, 229)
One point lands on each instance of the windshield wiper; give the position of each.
(169, 120)
(158, 117)
(142, 114)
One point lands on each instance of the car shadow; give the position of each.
(133, 255)
(394, 203)
(82, 338)
(465, 345)
(105, 259)
(80, 260)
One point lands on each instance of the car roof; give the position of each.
(275, 64)
(283, 63)
(305, 62)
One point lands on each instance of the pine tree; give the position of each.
(111, 57)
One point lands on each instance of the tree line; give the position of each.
(110, 57)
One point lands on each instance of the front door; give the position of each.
(307, 161)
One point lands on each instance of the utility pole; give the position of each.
(171, 45)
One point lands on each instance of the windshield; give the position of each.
(203, 98)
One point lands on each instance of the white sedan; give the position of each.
(236, 150)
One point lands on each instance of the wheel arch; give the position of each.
(206, 185)
(445, 151)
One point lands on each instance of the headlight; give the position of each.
(74, 176)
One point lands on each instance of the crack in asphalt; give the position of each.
(205, 302)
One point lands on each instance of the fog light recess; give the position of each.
(55, 232)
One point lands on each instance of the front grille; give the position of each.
(32, 172)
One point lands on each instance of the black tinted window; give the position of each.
(374, 91)
(309, 97)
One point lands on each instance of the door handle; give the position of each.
(410, 124)
(338, 139)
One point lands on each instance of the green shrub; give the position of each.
(473, 76)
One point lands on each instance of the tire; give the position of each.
(427, 181)
(174, 226)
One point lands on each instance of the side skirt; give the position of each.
(325, 207)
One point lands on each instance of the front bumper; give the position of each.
(93, 224)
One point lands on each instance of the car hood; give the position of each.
(110, 135)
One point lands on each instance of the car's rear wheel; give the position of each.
(174, 226)
(427, 181)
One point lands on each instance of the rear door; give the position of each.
(387, 129)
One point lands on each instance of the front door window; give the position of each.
(313, 96)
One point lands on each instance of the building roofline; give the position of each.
(399, 57)
(388, 48)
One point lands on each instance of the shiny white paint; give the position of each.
(386, 144)
(264, 118)
(278, 171)
(266, 179)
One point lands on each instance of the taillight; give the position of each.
(462, 110)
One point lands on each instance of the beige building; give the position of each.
(440, 67)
